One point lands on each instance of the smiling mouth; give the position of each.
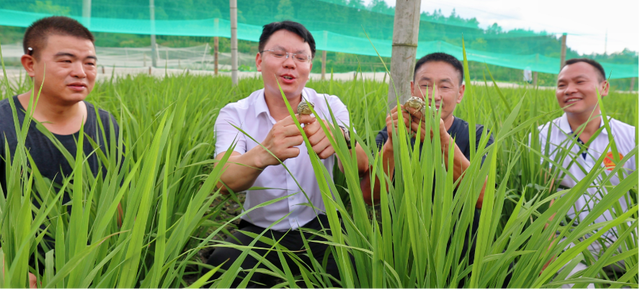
(287, 77)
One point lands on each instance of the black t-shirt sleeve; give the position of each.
(479, 131)
(382, 137)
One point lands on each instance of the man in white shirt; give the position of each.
(286, 50)
(579, 82)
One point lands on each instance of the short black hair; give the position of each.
(593, 63)
(37, 33)
(440, 56)
(292, 26)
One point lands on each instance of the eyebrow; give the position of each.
(441, 80)
(59, 54)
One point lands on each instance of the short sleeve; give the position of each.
(338, 109)
(226, 132)
(382, 138)
(479, 132)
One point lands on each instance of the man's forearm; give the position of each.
(460, 166)
(240, 171)
(372, 197)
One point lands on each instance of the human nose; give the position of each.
(570, 89)
(289, 61)
(434, 95)
(78, 70)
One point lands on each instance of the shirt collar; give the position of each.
(564, 124)
(261, 103)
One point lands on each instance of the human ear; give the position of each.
(460, 94)
(258, 62)
(28, 62)
(604, 90)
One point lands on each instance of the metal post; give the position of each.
(633, 84)
(215, 47)
(233, 6)
(563, 50)
(403, 55)
(154, 47)
(86, 13)
(324, 64)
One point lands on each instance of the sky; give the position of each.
(587, 23)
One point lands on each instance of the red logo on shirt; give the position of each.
(609, 163)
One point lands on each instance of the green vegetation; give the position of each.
(167, 184)
(350, 18)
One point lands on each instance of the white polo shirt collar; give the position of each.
(566, 127)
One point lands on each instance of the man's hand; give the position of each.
(393, 120)
(418, 121)
(33, 281)
(281, 141)
(317, 138)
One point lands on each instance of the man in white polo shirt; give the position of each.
(286, 50)
(580, 135)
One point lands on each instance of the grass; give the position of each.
(161, 172)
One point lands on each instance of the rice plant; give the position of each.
(161, 172)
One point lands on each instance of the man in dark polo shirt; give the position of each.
(445, 73)
(61, 60)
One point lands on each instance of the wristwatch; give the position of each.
(347, 136)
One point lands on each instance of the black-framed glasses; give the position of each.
(282, 54)
(29, 51)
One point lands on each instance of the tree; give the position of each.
(285, 11)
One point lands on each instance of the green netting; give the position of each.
(337, 25)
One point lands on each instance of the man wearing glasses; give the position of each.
(279, 167)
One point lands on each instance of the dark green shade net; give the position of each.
(337, 25)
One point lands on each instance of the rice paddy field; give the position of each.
(165, 182)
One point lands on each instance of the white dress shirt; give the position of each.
(252, 116)
(624, 137)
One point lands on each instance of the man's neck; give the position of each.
(277, 107)
(58, 118)
(448, 122)
(592, 121)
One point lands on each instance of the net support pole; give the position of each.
(324, 64)
(86, 13)
(633, 84)
(233, 9)
(563, 50)
(154, 47)
(216, 43)
(403, 54)
(535, 74)
(324, 55)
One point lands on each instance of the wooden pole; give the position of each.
(216, 46)
(86, 13)
(633, 84)
(324, 55)
(154, 47)
(233, 6)
(563, 50)
(403, 54)
(324, 64)
(535, 74)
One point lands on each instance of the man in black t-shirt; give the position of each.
(445, 72)
(61, 60)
